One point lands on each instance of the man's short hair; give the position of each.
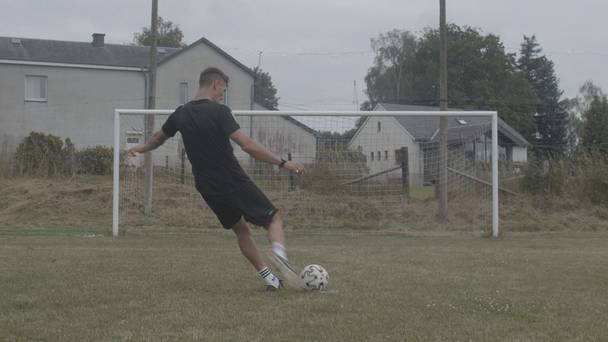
(211, 74)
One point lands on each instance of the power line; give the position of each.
(283, 53)
(569, 52)
(329, 53)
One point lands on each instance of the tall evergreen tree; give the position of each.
(550, 116)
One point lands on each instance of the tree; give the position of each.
(580, 104)
(595, 124)
(390, 78)
(577, 107)
(539, 71)
(264, 91)
(168, 35)
(367, 105)
(551, 116)
(481, 75)
(349, 134)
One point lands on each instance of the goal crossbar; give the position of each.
(489, 114)
(324, 113)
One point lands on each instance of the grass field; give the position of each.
(76, 286)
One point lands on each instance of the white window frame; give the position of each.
(226, 95)
(46, 89)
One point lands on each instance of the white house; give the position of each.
(386, 140)
(70, 89)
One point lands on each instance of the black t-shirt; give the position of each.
(205, 127)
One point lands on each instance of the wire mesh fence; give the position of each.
(378, 176)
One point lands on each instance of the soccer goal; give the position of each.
(392, 170)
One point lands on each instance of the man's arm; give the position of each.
(259, 152)
(158, 138)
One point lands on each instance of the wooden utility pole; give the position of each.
(443, 121)
(149, 119)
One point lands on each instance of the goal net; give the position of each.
(364, 170)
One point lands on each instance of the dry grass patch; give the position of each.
(85, 203)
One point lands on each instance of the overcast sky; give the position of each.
(314, 50)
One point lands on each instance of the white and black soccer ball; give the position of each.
(314, 277)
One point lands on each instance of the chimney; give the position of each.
(98, 39)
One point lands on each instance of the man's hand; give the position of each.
(158, 138)
(133, 151)
(294, 167)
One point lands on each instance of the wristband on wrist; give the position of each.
(283, 161)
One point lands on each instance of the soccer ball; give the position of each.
(314, 277)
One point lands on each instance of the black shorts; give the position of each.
(249, 202)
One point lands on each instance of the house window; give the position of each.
(372, 156)
(385, 155)
(226, 95)
(400, 155)
(379, 126)
(379, 156)
(359, 148)
(183, 93)
(35, 88)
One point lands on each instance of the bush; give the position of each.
(583, 176)
(343, 162)
(333, 168)
(44, 155)
(5, 168)
(593, 171)
(545, 175)
(96, 160)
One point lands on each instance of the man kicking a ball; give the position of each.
(206, 127)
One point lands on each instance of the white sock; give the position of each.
(268, 277)
(279, 250)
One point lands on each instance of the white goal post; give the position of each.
(123, 126)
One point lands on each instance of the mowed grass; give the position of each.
(69, 286)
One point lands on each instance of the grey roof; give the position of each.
(425, 129)
(59, 51)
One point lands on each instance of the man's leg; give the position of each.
(274, 230)
(276, 236)
(252, 253)
(247, 244)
